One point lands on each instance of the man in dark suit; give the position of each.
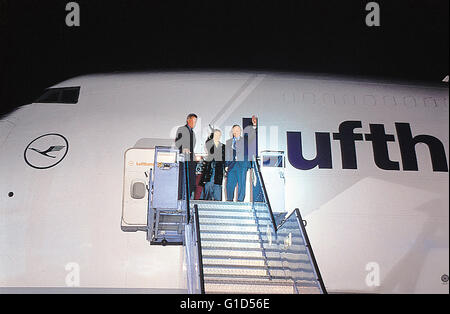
(239, 153)
(185, 142)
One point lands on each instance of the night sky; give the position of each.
(37, 49)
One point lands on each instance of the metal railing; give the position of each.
(286, 242)
(260, 197)
(199, 250)
(187, 191)
(294, 245)
(260, 184)
(193, 246)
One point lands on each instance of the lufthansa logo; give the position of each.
(46, 151)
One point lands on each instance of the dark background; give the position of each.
(37, 49)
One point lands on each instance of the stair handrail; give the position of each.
(192, 238)
(309, 250)
(256, 167)
(187, 191)
(300, 221)
(199, 250)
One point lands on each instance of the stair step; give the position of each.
(226, 220)
(294, 248)
(260, 279)
(240, 249)
(230, 245)
(235, 222)
(256, 279)
(231, 206)
(235, 212)
(220, 204)
(212, 260)
(230, 271)
(263, 242)
(225, 236)
(250, 209)
(217, 233)
(246, 269)
(239, 266)
(232, 240)
(226, 214)
(274, 263)
(245, 280)
(230, 233)
(236, 259)
(236, 253)
(218, 284)
(244, 243)
(235, 234)
(248, 288)
(227, 227)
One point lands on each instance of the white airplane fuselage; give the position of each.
(367, 165)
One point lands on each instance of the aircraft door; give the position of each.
(137, 170)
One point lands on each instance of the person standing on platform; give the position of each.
(213, 167)
(185, 142)
(239, 153)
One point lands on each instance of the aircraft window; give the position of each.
(138, 190)
(70, 95)
(410, 101)
(430, 102)
(64, 95)
(50, 95)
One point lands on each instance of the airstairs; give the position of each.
(246, 248)
(236, 252)
(230, 247)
